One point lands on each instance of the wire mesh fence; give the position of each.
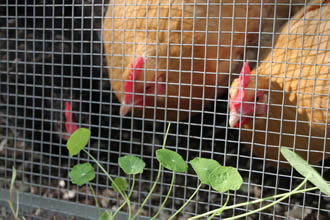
(126, 68)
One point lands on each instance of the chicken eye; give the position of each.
(148, 88)
(257, 99)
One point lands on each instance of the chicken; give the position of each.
(285, 100)
(168, 56)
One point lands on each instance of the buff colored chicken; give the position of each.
(170, 56)
(285, 101)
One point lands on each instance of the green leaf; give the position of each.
(305, 169)
(78, 140)
(82, 173)
(223, 179)
(204, 167)
(107, 215)
(171, 160)
(121, 184)
(131, 165)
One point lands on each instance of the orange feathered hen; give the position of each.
(167, 57)
(285, 101)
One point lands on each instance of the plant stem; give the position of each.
(222, 208)
(167, 196)
(96, 202)
(186, 203)
(271, 204)
(157, 178)
(17, 207)
(11, 192)
(129, 206)
(149, 194)
(253, 202)
(167, 130)
(113, 182)
(129, 195)
(12, 209)
(11, 189)
(132, 187)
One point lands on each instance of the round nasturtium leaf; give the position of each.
(121, 184)
(306, 170)
(82, 173)
(78, 140)
(203, 168)
(131, 165)
(171, 160)
(223, 179)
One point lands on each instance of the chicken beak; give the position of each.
(125, 108)
(233, 119)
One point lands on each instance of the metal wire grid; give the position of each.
(52, 53)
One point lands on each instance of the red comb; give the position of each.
(244, 77)
(244, 80)
(133, 75)
(70, 124)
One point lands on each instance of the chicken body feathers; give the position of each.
(193, 43)
(296, 74)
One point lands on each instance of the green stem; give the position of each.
(167, 196)
(129, 195)
(253, 202)
(271, 204)
(96, 202)
(11, 192)
(149, 194)
(221, 209)
(157, 178)
(17, 207)
(11, 189)
(113, 182)
(129, 206)
(167, 130)
(186, 203)
(12, 209)
(133, 184)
